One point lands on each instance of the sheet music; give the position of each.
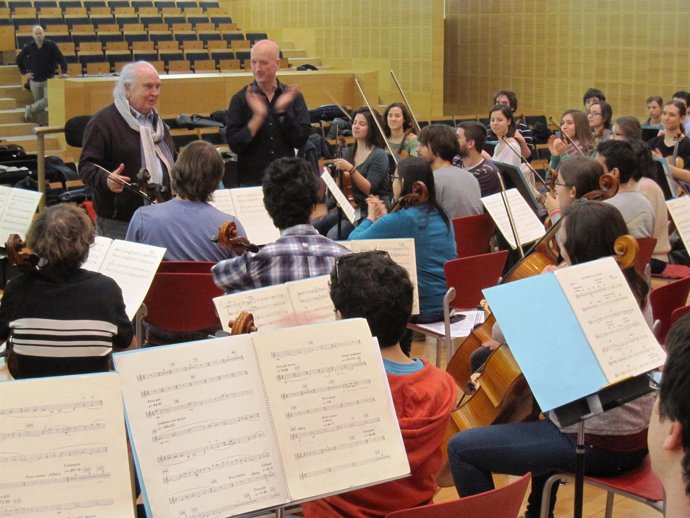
(63, 448)
(294, 303)
(132, 266)
(222, 200)
(17, 209)
(680, 212)
(402, 251)
(311, 300)
(331, 407)
(270, 306)
(610, 318)
(202, 433)
(249, 204)
(529, 228)
(97, 253)
(340, 198)
(460, 328)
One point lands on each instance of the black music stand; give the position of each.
(513, 178)
(580, 410)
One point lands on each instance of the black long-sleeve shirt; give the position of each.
(278, 136)
(41, 62)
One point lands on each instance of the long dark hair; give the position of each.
(507, 112)
(407, 118)
(591, 229)
(414, 169)
(374, 137)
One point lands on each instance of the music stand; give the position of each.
(513, 178)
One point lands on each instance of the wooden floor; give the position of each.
(594, 498)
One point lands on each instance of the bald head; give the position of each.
(265, 60)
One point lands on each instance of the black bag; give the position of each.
(197, 121)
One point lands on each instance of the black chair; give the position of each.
(253, 37)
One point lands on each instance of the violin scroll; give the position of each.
(228, 238)
(243, 324)
(626, 248)
(19, 255)
(419, 194)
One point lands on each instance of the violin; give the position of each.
(345, 179)
(155, 192)
(242, 324)
(19, 255)
(228, 238)
(419, 194)
(564, 137)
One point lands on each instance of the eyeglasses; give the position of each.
(559, 184)
(593, 114)
(654, 380)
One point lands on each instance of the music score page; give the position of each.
(63, 448)
(528, 226)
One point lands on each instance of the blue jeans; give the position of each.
(515, 449)
(328, 226)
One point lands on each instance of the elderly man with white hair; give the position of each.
(124, 138)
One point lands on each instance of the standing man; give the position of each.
(471, 139)
(290, 194)
(125, 137)
(668, 439)
(266, 119)
(457, 191)
(37, 62)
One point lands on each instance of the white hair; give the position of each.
(127, 76)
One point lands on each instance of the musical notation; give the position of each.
(54, 480)
(338, 447)
(300, 351)
(328, 408)
(185, 455)
(197, 493)
(215, 466)
(193, 383)
(201, 427)
(52, 409)
(348, 385)
(68, 506)
(53, 454)
(197, 404)
(172, 371)
(331, 369)
(335, 428)
(52, 430)
(342, 467)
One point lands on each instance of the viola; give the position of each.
(19, 255)
(419, 194)
(156, 192)
(228, 238)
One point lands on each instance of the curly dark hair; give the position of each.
(619, 154)
(593, 92)
(407, 118)
(674, 403)
(62, 235)
(512, 98)
(290, 191)
(371, 285)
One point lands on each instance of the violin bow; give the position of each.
(511, 219)
(376, 121)
(570, 141)
(125, 184)
(407, 103)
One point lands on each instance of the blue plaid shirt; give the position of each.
(300, 252)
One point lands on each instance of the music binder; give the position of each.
(131, 265)
(239, 424)
(575, 331)
(17, 209)
(63, 448)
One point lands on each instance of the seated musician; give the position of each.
(399, 130)
(619, 159)
(591, 96)
(599, 115)
(674, 141)
(471, 139)
(668, 439)
(185, 224)
(616, 439)
(424, 220)
(59, 318)
(576, 138)
(576, 177)
(523, 135)
(372, 286)
(290, 195)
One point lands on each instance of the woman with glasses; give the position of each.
(576, 138)
(615, 439)
(599, 116)
(576, 177)
(423, 219)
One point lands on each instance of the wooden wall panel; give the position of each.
(549, 53)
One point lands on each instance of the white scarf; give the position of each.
(153, 146)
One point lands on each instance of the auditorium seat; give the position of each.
(116, 4)
(140, 55)
(181, 27)
(229, 65)
(227, 27)
(138, 37)
(158, 65)
(45, 4)
(179, 67)
(142, 3)
(195, 19)
(73, 8)
(67, 48)
(206, 27)
(24, 12)
(23, 39)
(142, 46)
(110, 37)
(185, 36)
(148, 11)
(97, 67)
(237, 45)
(110, 28)
(192, 45)
(158, 27)
(217, 45)
(100, 10)
(243, 55)
(102, 19)
(81, 28)
(150, 20)
(124, 11)
(209, 36)
(253, 37)
(117, 60)
(168, 56)
(160, 36)
(169, 11)
(167, 46)
(170, 19)
(223, 55)
(126, 19)
(167, 4)
(87, 43)
(196, 54)
(209, 5)
(204, 66)
(221, 19)
(232, 36)
(20, 23)
(75, 69)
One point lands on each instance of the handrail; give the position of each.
(40, 133)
